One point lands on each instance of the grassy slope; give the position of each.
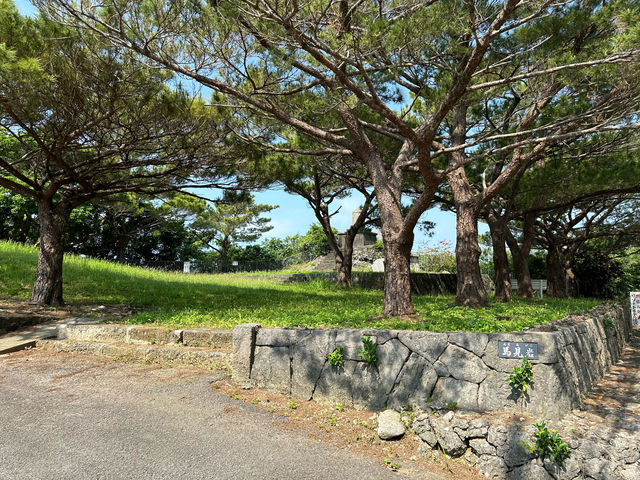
(222, 301)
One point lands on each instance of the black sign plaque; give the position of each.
(518, 350)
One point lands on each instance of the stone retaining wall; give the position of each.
(496, 446)
(421, 283)
(414, 367)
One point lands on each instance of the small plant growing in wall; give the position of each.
(608, 323)
(549, 444)
(335, 358)
(368, 351)
(522, 376)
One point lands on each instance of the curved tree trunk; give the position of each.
(470, 290)
(344, 253)
(47, 288)
(520, 266)
(344, 256)
(500, 259)
(523, 274)
(397, 228)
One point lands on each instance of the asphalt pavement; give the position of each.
(76, 417)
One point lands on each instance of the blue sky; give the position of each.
(25, 7)
(294, 216)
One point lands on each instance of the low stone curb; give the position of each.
(221, 340)
(152, 354)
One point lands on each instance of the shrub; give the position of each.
(439, 258)
(549, 444)
(597, 274)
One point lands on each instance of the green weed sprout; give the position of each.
(368, 351)
(522, 376)
(335, 358)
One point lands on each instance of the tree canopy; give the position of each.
(452, 85)
(81, 119)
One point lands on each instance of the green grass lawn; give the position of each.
(223, 301)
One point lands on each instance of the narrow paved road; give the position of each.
(76, 417)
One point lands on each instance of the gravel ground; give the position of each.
(80, 417)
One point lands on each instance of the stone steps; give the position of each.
(326, 263)
(168, 355)
(202, 347)
(219, 340)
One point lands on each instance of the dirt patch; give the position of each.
(71, 374)
(18, 314)
(352, 430)
(15, 315)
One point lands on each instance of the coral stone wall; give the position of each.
(421, 283)
(416, 367)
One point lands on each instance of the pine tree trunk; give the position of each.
(344, 255)
(397, 230)
(47, 288)
(470, 291)
(397, 278)
(571, 281)
(523, 274)
(121, 247)
(521, 267)
(344, 263)
(397, 241)
(556, 278)
(500, 259)
(223, 260)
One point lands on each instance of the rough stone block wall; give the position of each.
(415, 366)
(495, 445)
(421, 283)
